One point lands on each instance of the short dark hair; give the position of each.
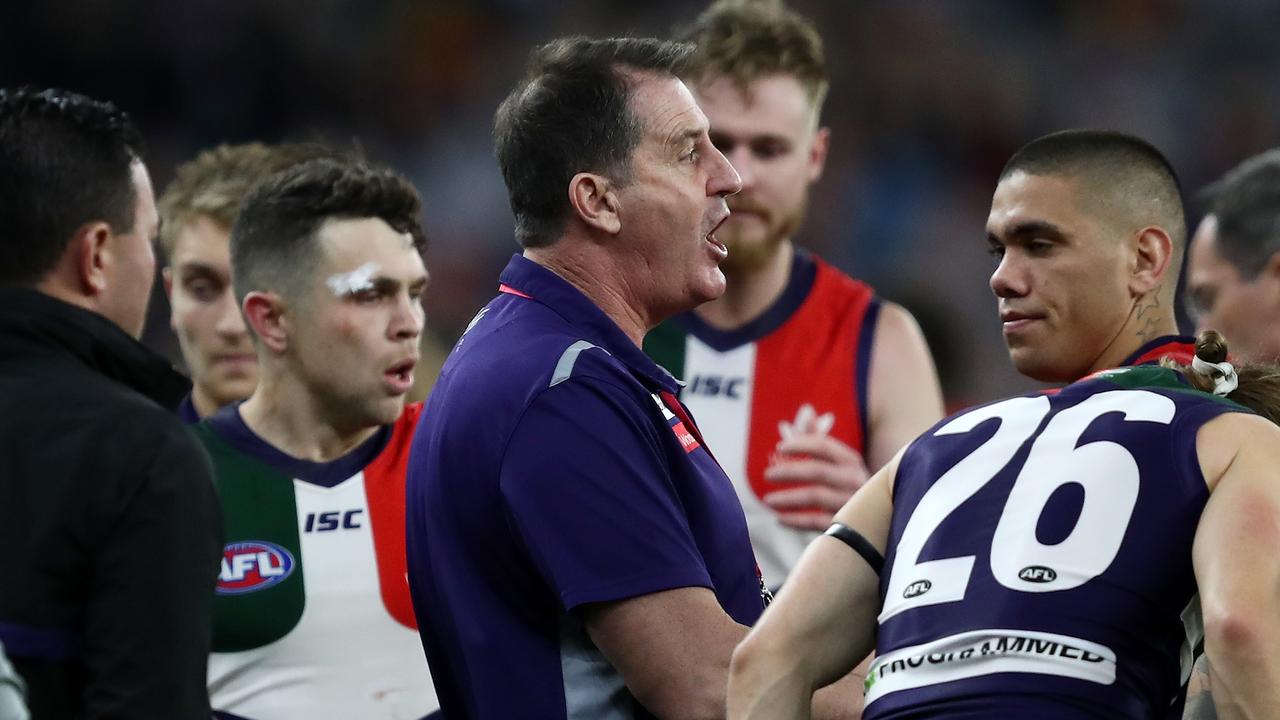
(273, 240)
(1118, 169)
(750, 41)
(571, 113)
(214, 183)
(1246, 202)
(64, 161)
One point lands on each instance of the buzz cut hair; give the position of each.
(750, 40)
(1123, 177)
(216, 182)
(1246, 203)
(273, 240)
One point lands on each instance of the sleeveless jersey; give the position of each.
(1039, 557)
(312, 616)
(802, 364)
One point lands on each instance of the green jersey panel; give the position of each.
(261, 591)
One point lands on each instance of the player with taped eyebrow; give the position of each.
(327, 263)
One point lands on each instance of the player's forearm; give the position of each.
(763, 684)
(842, 700)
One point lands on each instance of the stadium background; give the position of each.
(928, 99)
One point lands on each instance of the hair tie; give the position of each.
(1224, 374)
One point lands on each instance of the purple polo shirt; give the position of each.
(555, 468)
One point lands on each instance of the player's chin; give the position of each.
(748, 253)
(1042, 366)
(235, 388)
(386, 410)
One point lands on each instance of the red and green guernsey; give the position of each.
(312, 616)
(801, 365)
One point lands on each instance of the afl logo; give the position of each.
(916, 589)
(1037, 574)
(252, 565)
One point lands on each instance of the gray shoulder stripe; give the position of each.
(564, 368)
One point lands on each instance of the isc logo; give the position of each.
(252, 565)
(1037, 574)
(329, 521)
(716, 385)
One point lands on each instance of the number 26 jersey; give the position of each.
(1039, 557)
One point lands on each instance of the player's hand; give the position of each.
(831, 470)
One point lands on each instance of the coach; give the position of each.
(574, 549)
(109, 531)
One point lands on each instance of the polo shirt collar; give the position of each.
(538, 283)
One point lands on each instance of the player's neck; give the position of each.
(750, 292)
(1152, 317)
(287, 415)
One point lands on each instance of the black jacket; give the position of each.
(110, 534)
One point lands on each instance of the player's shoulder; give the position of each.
(403, 429)
(410, 415)
(1134, 377)
(831, 280)
(1151, 378)
(1239, 440)
(897, 332)
(1233, 430)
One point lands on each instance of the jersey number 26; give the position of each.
(1019, 561)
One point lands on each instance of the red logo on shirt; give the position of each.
(252, 565)
(687, 440)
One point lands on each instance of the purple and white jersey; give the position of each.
(1039, 558)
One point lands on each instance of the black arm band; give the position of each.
(860, 545)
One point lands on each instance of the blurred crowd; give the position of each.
(927, 101)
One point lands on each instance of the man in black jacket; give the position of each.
(109, 527)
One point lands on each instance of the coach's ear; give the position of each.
(1152, 256)
(1271, 269)
(596, 202)
(265, 313)
(1268, 281)
(91, 247)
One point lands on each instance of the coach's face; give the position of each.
(1221, 298)
(674, 201)
(1062, 281)
(131, 262)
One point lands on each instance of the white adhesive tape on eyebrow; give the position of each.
(357, 280)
